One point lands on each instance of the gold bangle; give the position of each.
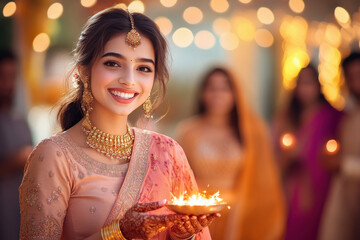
(119, 230)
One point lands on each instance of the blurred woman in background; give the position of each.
(229, 150)
(301, 134)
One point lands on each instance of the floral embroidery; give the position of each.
(92, 209)
(51, 174)
(104, 189)
(58, 153)
(47, 228)
(31, 195)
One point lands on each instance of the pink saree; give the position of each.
(65, 194)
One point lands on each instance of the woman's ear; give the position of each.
(82, 70)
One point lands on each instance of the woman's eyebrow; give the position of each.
(118, 55)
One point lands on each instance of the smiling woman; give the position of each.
(99, 178)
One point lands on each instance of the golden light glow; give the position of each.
(333, 35)
(121, 6)
(193, 15)
(164, 25)
(183, 37)
(197, 199)
(229, 41)
(55, 10)
(264, 38)
(204, 40)
(244, 28)
(341, 15)
(168, 3)
(297, 6)
(245, 1)
(332, 146)
(88, 3)
(9, 9)
(136, 6)
(287, 140)
(219, 6)
(294, 33)
(265, 15)
(221, 25)
(41, 42)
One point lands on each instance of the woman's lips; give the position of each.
(123, 95)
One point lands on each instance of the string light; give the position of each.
(183, 37)
(341, 15)
(193, 15)
(164, 25)
(297, 6)
(219, 6)
(88, 3)
(245, 29)
(121, 6)
(265, 15)
(245, 1)
(204, 40)
(41, 42)
(264, 38)
(9, 9)
(136, 6)
(168, 3)
(55, 10)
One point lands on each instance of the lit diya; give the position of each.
(196, 204)
(332, 146)
(287, 140)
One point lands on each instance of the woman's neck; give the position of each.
(108, 122)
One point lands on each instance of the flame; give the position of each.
(287, 140)
(197, 199)
(332, 146)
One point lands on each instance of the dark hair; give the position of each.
(98, 30)
(295, 108)
(354, 56)
(234, 115)
(6, 54)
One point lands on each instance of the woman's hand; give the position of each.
(137, 224)
(190, 225)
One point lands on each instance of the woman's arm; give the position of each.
(45, 192)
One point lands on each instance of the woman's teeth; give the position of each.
(122, 94)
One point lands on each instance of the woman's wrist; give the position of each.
(112, 231)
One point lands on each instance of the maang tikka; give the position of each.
(133, 38)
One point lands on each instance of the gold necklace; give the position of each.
(113, 146)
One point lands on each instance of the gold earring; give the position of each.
(147, 107)
(86, 101)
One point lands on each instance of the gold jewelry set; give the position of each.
(113, 146)
(112, 231)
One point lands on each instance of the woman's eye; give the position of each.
(111, 64)
(144, 69)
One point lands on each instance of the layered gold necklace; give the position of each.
(113, 146)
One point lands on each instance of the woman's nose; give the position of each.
(128, 78)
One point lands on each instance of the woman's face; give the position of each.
(122, 77)
(218, 96)
(307, 87)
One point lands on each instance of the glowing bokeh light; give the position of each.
(55, 10)
(168, 3)
(183, 37)
(265, 15)
(204, 40)
(136, 6)
(221, 25)
(121, 6)
(244, 28)
(332, 146)
(164, 25)
(193, 15)
(287, 140)
(264, 38)
(229, 41)
(219, 6)
(333, 35)
(341, 15)
(297, 6)
(41, 42)
(245, 1)
(9, 9)
(88, 3)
